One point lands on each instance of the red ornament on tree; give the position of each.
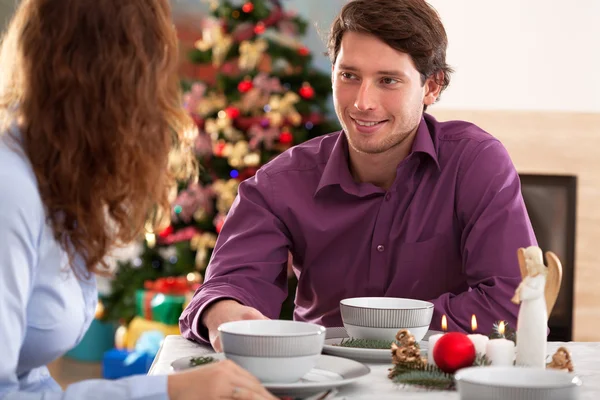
(306, 91)
(259, 28)
(232, 112)
(286, 137)
(453, 351)
(245, 85)
(248, 7)
(169, 230)
(303, 51)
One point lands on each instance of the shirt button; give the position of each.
(380, 248)
(388, 196)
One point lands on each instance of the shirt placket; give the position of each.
(380, 246)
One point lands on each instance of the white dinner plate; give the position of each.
(330, 372)
(332, 347)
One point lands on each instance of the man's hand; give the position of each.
(225, 311)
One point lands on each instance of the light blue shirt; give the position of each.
(44, 309)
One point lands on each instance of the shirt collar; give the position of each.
(424, 138)
(337, 172)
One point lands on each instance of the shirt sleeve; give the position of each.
(249, 260)
(494, 221)
(21, 223)
(132, 388)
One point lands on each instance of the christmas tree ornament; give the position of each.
(260, 28)
(281, 108)
(232, 112)
(306, 91)
(201, 244)
(453, 351)
(303, 51)
(265, 135)
(248, 7)
(225, 192)
(245, 85)
(252, 159)
(237, 154)
(251, 53)
(286, 137)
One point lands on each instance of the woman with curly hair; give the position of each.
(92, 142)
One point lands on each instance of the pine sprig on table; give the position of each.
(425, 376)
(366, 344)
(196, 361)
(434, 380)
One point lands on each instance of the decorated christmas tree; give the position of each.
(252, 93)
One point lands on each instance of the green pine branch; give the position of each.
(366, 344)
(426, 378)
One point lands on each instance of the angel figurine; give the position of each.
(537, 295)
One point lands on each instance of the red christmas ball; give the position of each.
(232, 112)
(169, 230)
(260, 28)
(286, 137)
(248, 7)
(453, 351)
(245, 85)
(303, 51)
(306, 91)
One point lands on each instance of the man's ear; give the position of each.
(433, 88)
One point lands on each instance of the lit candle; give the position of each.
(501, 351)
(433, 340)
(479, 341)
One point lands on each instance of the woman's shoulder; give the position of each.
(18, 185)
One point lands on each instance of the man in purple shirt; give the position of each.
(397, 204)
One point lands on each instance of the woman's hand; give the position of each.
(221, 380)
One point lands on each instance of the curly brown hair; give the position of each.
(93, 87)
(409, 26)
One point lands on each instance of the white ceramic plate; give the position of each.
(329, 373)
(332, 347)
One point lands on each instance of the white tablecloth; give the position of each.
(376, 385)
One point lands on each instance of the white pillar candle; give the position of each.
(432, 341)
(480, 342)
(501, 352)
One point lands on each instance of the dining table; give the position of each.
(376, 384)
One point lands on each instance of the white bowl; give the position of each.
(380, 318)
(516, 383)
(273, 350)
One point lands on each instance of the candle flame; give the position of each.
(444, 323)
(473, 323)
(501, 328)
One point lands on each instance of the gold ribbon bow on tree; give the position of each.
(226, 192)
(201, 243)
(220, 43)
(283, 108)
(222, 124)
(236, 153)
(251, 53)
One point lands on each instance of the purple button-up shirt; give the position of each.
(446, 231)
